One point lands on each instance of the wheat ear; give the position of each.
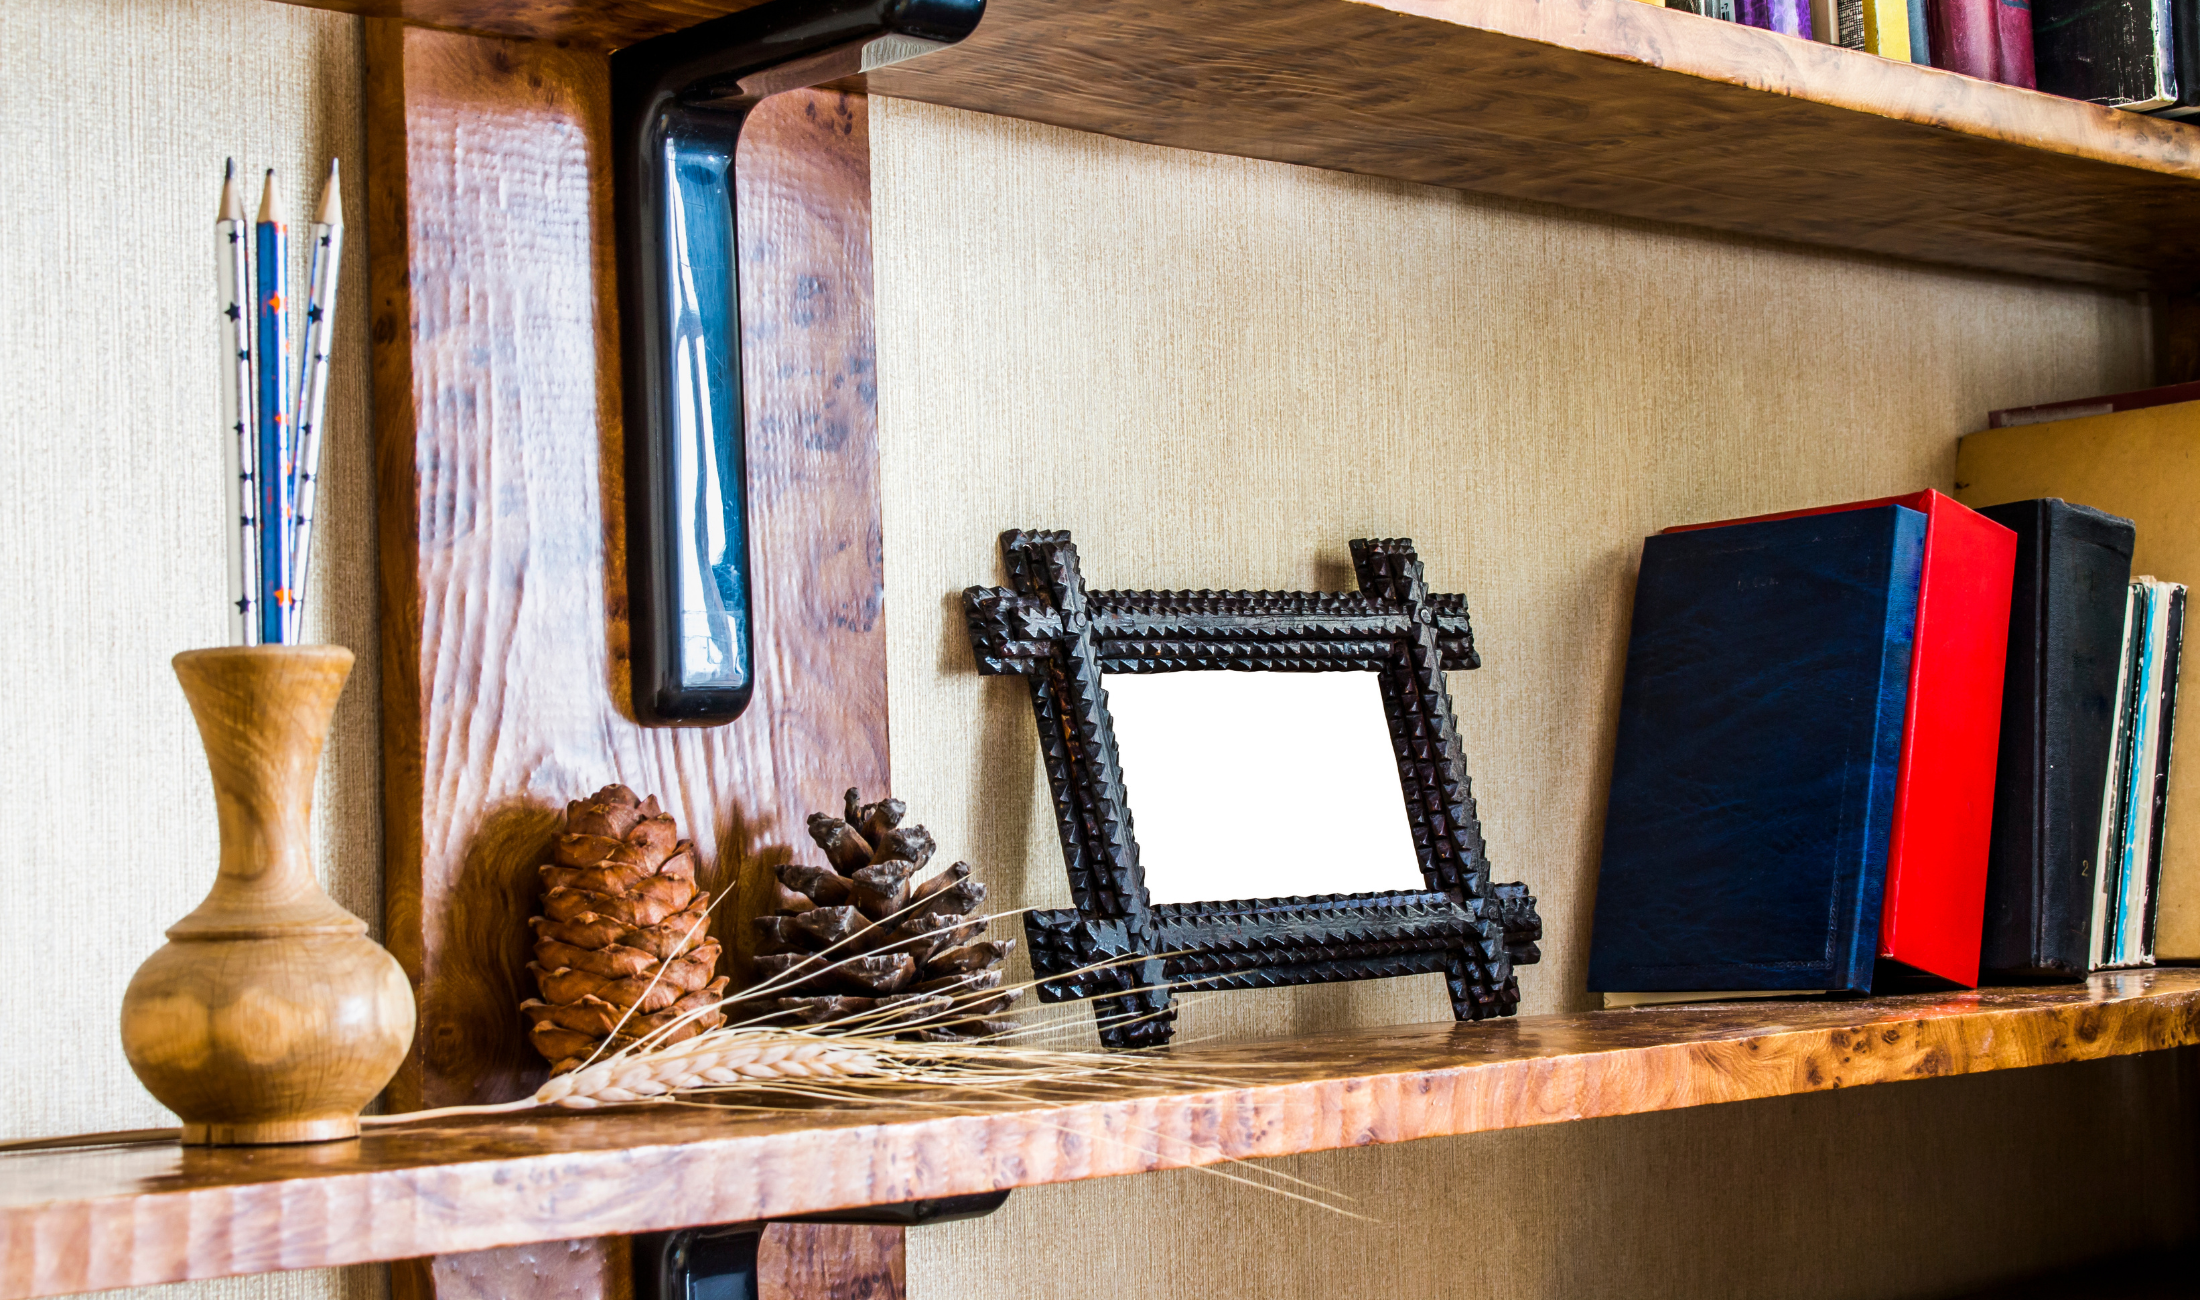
(723, 1060)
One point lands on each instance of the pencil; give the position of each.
(328, 256)
(274, 418)
(233, 280)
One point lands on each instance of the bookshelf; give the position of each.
(1619, 108)
(128, 1215)
(1608, 106)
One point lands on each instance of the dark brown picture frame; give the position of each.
(1116, 945)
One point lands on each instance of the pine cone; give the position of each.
(862, 934)
(622, 949)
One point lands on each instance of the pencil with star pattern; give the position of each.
(233, 280)
(273, 467)
(328, 256)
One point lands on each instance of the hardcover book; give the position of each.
(2066, 623)
(1944, 801)
(2166, 395)
(1788, 17)
(1760, 733)
(2118, 53)
(1989, 39)
(2124, 902)
(2143, 465)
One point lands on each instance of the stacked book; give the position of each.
(2141, 55)
(1907, 740)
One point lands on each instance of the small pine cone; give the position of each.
(861, 936)
(622, 950)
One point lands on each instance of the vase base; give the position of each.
(271, 1132)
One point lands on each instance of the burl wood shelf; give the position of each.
(1612, 106)
(124, 1216)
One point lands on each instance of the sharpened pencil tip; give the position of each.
(332, 198)
(232, 206)
(267, 198)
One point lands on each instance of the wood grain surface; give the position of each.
(501, 525)
(497, 406)
(1629, 109)
(124, 1216)
(269, 1016)
(830, 1261)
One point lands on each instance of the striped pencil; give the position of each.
(328, 257)
(232, 269)
(274, 418)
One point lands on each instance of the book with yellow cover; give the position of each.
(2145, 466)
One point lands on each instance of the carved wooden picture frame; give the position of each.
(1119, 946)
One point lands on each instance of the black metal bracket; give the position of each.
(678, 105)
(1116, 944)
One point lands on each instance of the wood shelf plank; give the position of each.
(130, 1215)
(1611, 106)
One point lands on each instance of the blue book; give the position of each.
(1760, 733)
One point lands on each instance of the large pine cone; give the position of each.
(857, 937)
(622, 949)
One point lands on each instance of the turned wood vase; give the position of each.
(269, 1015)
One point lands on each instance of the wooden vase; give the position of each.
(269, 1016)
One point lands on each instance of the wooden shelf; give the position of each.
(129, 1215)
(1612, 106)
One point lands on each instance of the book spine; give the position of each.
(2123, 947)
(2173, 643)
(1788, 17)
(2108, 858)
(1849, 14)
(1921, 45)
(1906, 571)
(1887, 28)
(2117, 53)
(1988, 39)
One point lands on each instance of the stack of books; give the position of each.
(2141, 55)
(1916, 740)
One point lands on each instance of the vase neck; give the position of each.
(263, 714)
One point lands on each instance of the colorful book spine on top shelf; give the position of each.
(1944, 793)
(1989, 39)
(2117, 53)
(1754, 777)
(2058, 714)
(2136, 794)
(1787, 17)
(2143, 465)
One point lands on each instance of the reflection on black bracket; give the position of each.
(678, 103)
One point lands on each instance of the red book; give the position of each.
(1988, 39)
(1944, 791)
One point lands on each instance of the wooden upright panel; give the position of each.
(501, 521)
(497, 400)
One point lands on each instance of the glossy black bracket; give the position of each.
(678, 105)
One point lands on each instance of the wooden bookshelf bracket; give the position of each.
(130, 1215)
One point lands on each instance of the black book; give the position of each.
(2185, 37)
(2114, 52)
(2058, 713)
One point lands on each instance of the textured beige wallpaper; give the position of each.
(115, 116)
(1215, 372)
